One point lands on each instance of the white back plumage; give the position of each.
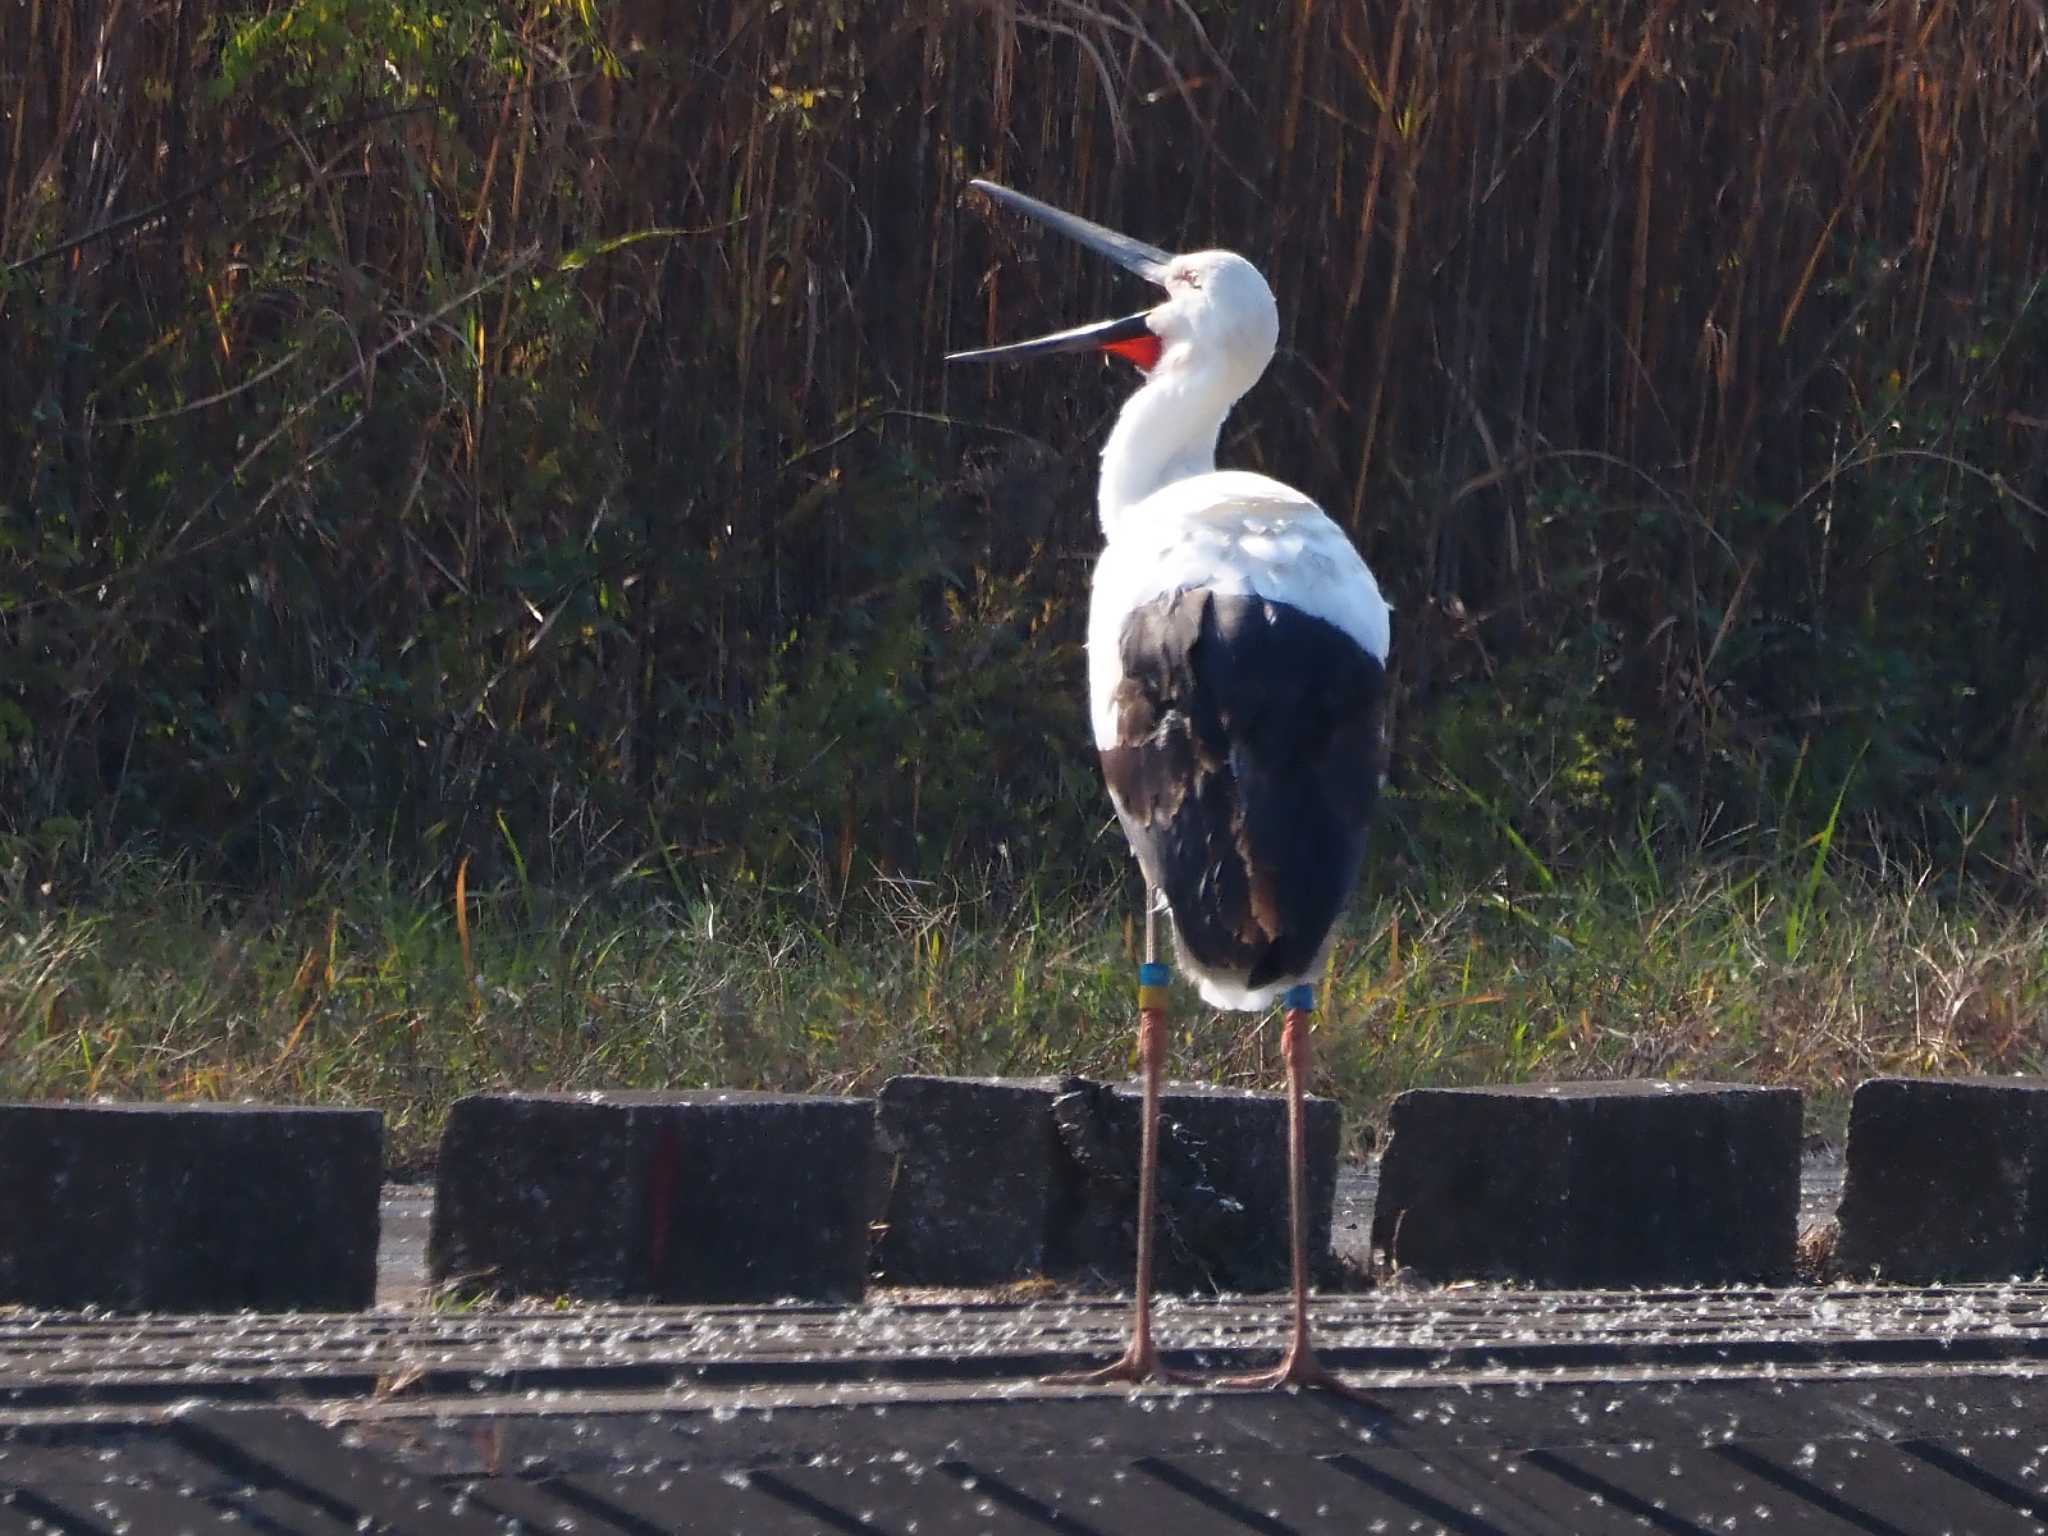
(1237, 533)
(1171, 519)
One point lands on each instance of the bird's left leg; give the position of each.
(1140, 1359)
(1299, 1367)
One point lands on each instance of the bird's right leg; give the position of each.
(1299, 1366)
(1140, 1359)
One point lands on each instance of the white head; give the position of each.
(1200, 349)
(1218, 314)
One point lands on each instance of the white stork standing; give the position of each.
(1237, 647)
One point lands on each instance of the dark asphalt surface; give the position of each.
(1483, 1410)
(1487, 1411)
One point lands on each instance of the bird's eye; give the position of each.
(1188, 277)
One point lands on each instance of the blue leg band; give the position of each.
(1301, 999)
(1152, 985)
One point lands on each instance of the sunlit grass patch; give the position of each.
(1737, 966)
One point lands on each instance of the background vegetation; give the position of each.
(512, 434)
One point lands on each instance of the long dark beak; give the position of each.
(1148, 261)
(1129, 337)
(1123, 336)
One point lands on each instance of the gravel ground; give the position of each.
(406, 1209)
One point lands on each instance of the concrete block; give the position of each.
(1946, 1179)
(1223, 1221)
(974, 1179)
(189, 1207)
(712, 1196)
(1592, 1184)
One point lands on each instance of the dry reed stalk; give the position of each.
(1611, 299)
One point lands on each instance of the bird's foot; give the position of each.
(1298, 1368)
(1139, 1365)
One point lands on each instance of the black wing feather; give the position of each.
(1245, 771)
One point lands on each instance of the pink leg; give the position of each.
(1140, 1360)
(1299, 1367)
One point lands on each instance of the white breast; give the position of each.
(1237, 533)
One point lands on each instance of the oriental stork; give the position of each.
(1237, 650)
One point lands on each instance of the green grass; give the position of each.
(1796, 968)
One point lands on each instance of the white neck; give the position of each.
(1166, 432)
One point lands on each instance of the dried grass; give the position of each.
(368, 996)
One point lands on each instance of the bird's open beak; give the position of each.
(1129, 337)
